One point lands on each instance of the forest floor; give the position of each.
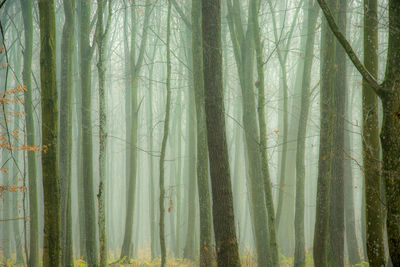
(143, 260)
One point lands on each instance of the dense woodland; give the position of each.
(200, 133)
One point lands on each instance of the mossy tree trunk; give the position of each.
(49, 101)
(101, 41)
(370, 142)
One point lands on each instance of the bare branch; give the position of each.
(369, 78)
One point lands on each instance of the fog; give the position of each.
(199, 133)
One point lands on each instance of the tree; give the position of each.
(243, 47)
(336, 209)
(202, 151)
(328, 55)
(26, 6)
(86, 54)
(273, 245)
(300, 249)
(371, 145)
(389, 93)
(223, 217)
(49, 100)
(164, 142)
(101, 41)
(65, 149)
(132, 122)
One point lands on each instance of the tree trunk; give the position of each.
(65, 149)
(350, 220)
(101, 40)
(328, 52)
(370, 141)
(164, 143)
(49, 100)
(336, 209)
(86, 52)
(26, 6)
(244, 56)
(390, 134)
(223, 217)
(273, 245)
(135, 66)
(202, 151)
(300, 246)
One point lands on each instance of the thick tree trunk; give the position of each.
(370, 141)
(49, 100)
(328, 52)
(223, 217)
(336, 209)
(390, 134)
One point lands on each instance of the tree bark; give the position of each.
(202, 151)
(223, 217)
(49, 100)
(328, 55)
(370, 141)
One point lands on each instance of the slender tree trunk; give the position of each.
(189, 250)
(300, 246)
(164, 143)
(65, 149)
(86, 53)
(49, 99)
(135, 66)
(223, 217)
(273, 245)
(350, 220)
(26, 6)
(101, 40)
(202, 151)
(244, 56)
